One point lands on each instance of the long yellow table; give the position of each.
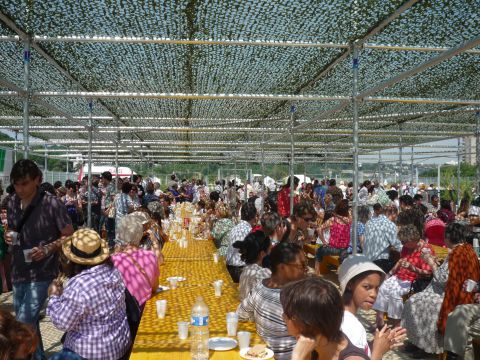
(197, 250)
(158, 338)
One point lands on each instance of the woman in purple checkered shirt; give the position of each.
(91, 308)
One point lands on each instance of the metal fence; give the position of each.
(48, 176)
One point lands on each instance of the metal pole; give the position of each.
(477, 160)
(15, 147)
(26, 100)
(45, 161)
(355, 65)
(89, 185)
(116, 161)
(459, 195)
(292, 155)
(411, 169)
(131, 163)
(400, 172)
(380, 173)
(245, 191)
(438, 180)
(262, 185)
(66, 173)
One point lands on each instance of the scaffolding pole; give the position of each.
(26, 100)
(380, 174)
(477, 148)
(355, 65)
(411, 168)
(292, 155)
(89, 184)
(45, 161)
(262, 185)
(400, 172)
(116, 161)
(15, 148)
(459, 154)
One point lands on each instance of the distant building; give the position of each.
(469, 156)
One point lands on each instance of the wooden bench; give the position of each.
(328, 260)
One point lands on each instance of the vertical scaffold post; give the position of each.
(262, 178)
(355, 65)
(400, 171)
(292, 155)
(459, 159)
(26, 100)
(411, 168)
(89, 185)
(477, 152)
(116, 160)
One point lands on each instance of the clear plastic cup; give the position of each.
(14, 236)
(243, 339)
(161, 308)
(27, 254)
(183, 329)
(216, 257)
(471, 284)
(217, 285)
(232, 323)
(173, 283)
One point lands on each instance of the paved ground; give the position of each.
(51, 336)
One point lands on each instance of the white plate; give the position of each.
(243, 354)
(222, 343)
(178, 278)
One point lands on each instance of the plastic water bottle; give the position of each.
(199, 335)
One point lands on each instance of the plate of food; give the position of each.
(178, 278)
(222, 343)
(257, 352)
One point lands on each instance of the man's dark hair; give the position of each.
(332, 182)
(283, 253)
(107, 175)
(248, 212)
(316, 305)
(47, 187)
(214, 196)
(134, 178)
(24, 168)
(172, 177)
(377, 208)
(57, 184)
(296, 180)
(456, 233)
(417, 197)
(445, 204)
(406, 200)
(126, 187)
(270, 221)
(434, 196)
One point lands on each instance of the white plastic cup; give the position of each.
(183, 329)
(14, 236)
(232, 323)
(475, 242)
(471, 284)
(173, 283)
(161, 308)
(426, 250)
(243, 339)
(215, 257)
(311, 232)
(217, 285)
(27, 254)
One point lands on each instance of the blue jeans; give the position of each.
(327, 250)
(66, 354)
(28, 299)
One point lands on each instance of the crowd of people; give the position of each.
(97, 280)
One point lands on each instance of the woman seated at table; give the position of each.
(339, 226)
(313, 311)
(222, 227)
(139, 267)
(410, 267)
(91, 309)
(263, 306)
(252, 250)
(151, 238)
(424, 314)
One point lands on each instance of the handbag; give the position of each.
(134, 313)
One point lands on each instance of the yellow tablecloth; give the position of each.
(158, 338)
(195, 250)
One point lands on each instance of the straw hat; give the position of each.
(129, 230)
(352, 266)
(85, 247)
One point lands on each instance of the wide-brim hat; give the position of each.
(85, 247)
(352, 266)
